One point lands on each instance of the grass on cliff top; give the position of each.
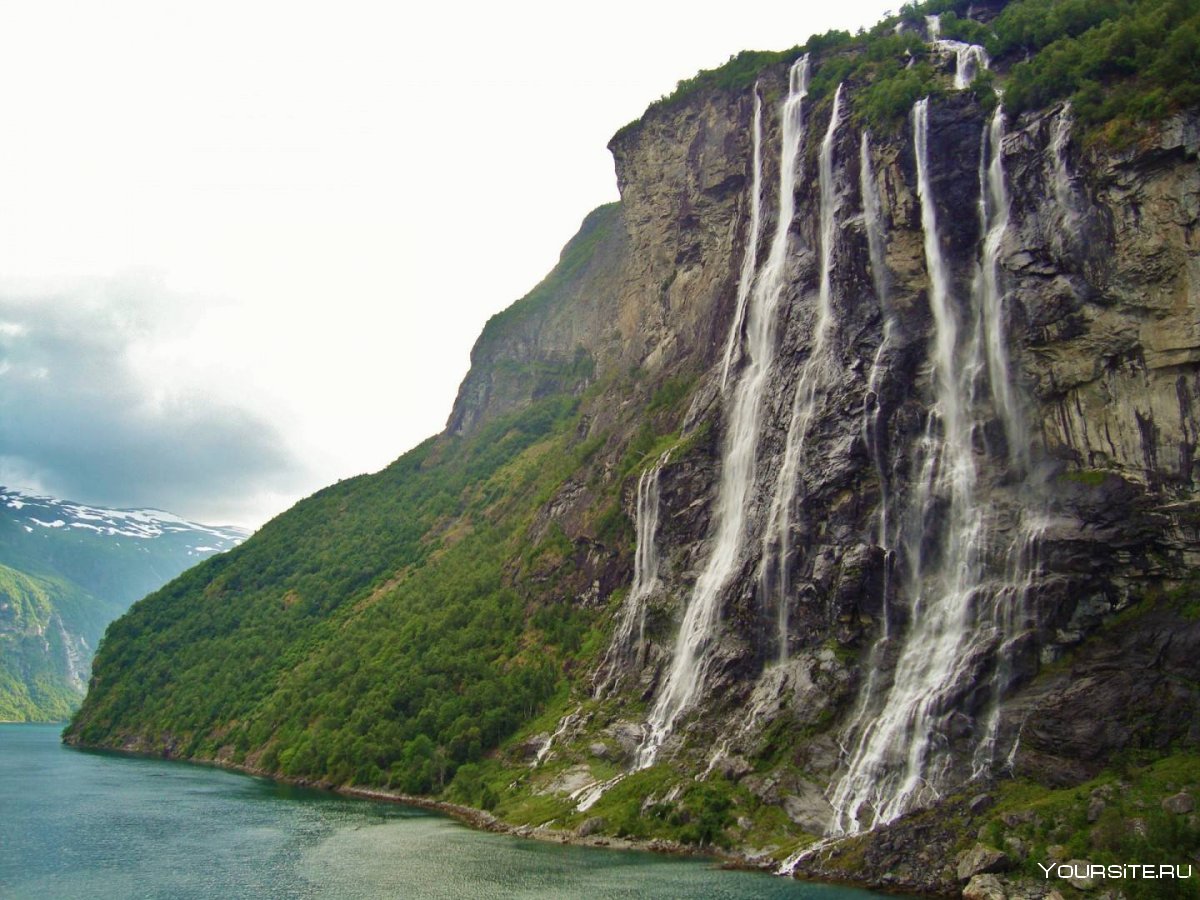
(1120, 63)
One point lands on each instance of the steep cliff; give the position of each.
(833, 500)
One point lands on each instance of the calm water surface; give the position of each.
(76, 824)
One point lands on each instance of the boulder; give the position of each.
(980, 860)
(594, 825)
(1078, 878)
(984, 887)
(1181, 804)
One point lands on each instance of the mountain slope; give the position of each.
(66, 571)
(839, 483)
(43, 658)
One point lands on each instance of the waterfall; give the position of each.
(1059, 139)
(811, 384)
(957, 613)
(872, 423)
(1006, 618)
(750, 256)
(742, 425)
(993, 223)
(645, 580)
(585, 797)
(1065, 196)
(563, 724)
(969, 59)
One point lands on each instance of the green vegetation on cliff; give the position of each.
(1119, 62)
(33, 639)
(395, 627)
(66, 571)
(369, 635)
(428, 627)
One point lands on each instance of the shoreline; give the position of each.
(479, 819)
(482, 820)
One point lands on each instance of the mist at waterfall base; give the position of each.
(79, 825)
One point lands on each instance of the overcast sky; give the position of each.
(245, 248)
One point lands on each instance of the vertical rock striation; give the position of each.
(976, 347)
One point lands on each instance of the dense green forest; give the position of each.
(1119, 62)
(371, 635)
(393, 627)
(413, 628)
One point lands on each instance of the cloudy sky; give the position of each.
(245, 247)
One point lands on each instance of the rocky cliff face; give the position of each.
(832, 501)
(646, 283)
(974, 449)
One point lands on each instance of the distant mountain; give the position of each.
(835, 500)
(66, 571)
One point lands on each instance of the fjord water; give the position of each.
(76, 824)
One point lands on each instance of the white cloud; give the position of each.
(333, 199)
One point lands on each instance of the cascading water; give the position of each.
(563, 724)
(811, 384)
(743, 421)
(960, 606)
(645, 580)
(969, 59)
(1065, 196)
(993, 223)
(872, 424)
(750, 257)
(1064, 192)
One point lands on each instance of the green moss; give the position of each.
(1121, 63)
(1132, 826)
(1086, 477)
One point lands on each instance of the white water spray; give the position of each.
(966, 583)
(894, 764)
(563, 724)
(686, 674)
(993, 223)
(645, 581)
(872, 423)
(750, 256)
(1066, 197)
(969, 59)
(811, 385)
(1060, 138)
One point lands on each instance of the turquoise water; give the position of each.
(76, 824)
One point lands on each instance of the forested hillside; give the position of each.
(839, 483)
(66, 571)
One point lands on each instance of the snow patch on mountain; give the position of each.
(144, 524)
